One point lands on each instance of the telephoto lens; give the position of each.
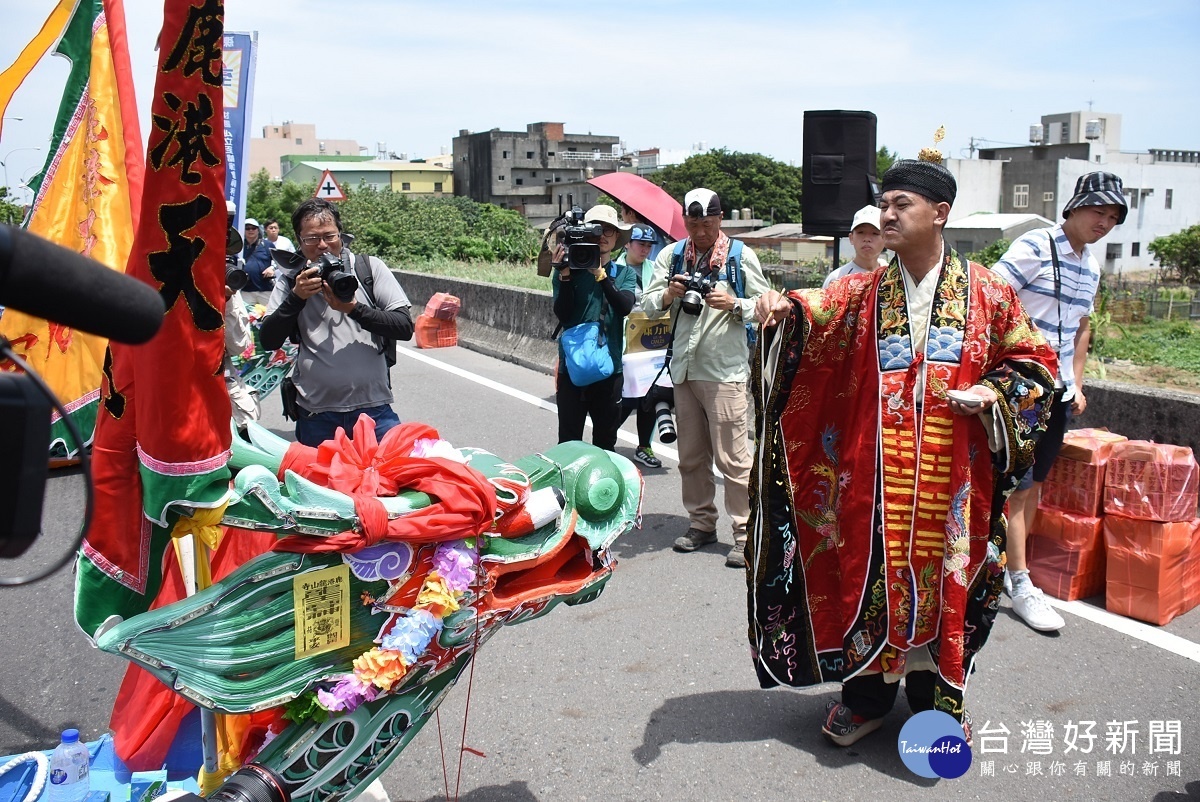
(665, 423)
(252, 783)
(235, 277)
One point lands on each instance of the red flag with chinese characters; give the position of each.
(163, 433)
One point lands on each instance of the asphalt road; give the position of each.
(648, 692)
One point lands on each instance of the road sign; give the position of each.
(329, 189)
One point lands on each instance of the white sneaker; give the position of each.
(1035, 611)
(1007, 584)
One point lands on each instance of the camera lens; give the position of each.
(583, 255)
(235, 277)
(665, 423)
(692, 302)
(252, 783)
(344, 285)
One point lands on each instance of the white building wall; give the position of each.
(1151, 219)
(979, 186)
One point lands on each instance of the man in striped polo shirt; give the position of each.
(1056, 277)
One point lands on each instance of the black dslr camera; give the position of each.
(695, 289)
(236, 276)
(582, 241)
(342, 282)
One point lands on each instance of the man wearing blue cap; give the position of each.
(1056, 277)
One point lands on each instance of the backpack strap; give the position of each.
(737, 277)
(366, 280)
(677, 257)
(366, 277)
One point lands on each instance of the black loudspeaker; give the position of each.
(839, 169)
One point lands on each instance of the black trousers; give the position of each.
(601, 400)
(867, 695)
(646, 418)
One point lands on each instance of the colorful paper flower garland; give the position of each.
(381, 668)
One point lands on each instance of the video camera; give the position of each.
(582, 241)
(342, 282)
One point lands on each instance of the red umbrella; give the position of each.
(645, 198)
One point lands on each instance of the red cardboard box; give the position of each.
(1191, 572)
(432, 332)
(1143, 604)
(1145, 573)
(1055, 555)
(1067, 587)
(1151, 481)
(1089, 445)
(443, 306)
(1076, 480)
(1076, 531)
(1066, 554)
(1074, 486)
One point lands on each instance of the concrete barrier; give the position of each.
(511, 324)
(1143, 413)
(515, 325)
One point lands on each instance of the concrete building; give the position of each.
(977, 231)
(409, 178)
(651, 160)
(1162, 186)
(289, 138)
(531, 171)
(789, 241)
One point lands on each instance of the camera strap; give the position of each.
(1057, 288)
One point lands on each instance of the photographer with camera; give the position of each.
(342, 327)
(256, 254)
(710, 284)
(589, 288)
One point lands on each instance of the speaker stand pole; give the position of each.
(837, 253)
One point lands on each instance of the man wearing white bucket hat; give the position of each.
(1056, 277)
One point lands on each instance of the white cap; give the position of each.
(250, 221)
(868, 215)
(701, 203)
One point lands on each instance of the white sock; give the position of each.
(1021, 583)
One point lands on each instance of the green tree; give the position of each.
(400, 228)
(267, 199)
(10, 212)
(1179, 254)
(769, 187)
(990, 254)
(883, 160)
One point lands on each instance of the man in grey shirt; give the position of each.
(341, 371)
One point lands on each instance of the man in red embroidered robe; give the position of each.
(894, 409)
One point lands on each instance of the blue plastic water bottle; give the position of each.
(70, 778)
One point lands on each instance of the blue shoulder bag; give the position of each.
(585, 351)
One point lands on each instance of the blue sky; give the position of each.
(669, 74)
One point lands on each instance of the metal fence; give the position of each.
(1137, 302)
(783, 278)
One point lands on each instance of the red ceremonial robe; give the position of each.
(876, 520)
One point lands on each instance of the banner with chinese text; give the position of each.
(239, 54)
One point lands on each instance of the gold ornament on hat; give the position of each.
(933, 154)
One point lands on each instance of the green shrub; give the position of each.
(400, 228)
